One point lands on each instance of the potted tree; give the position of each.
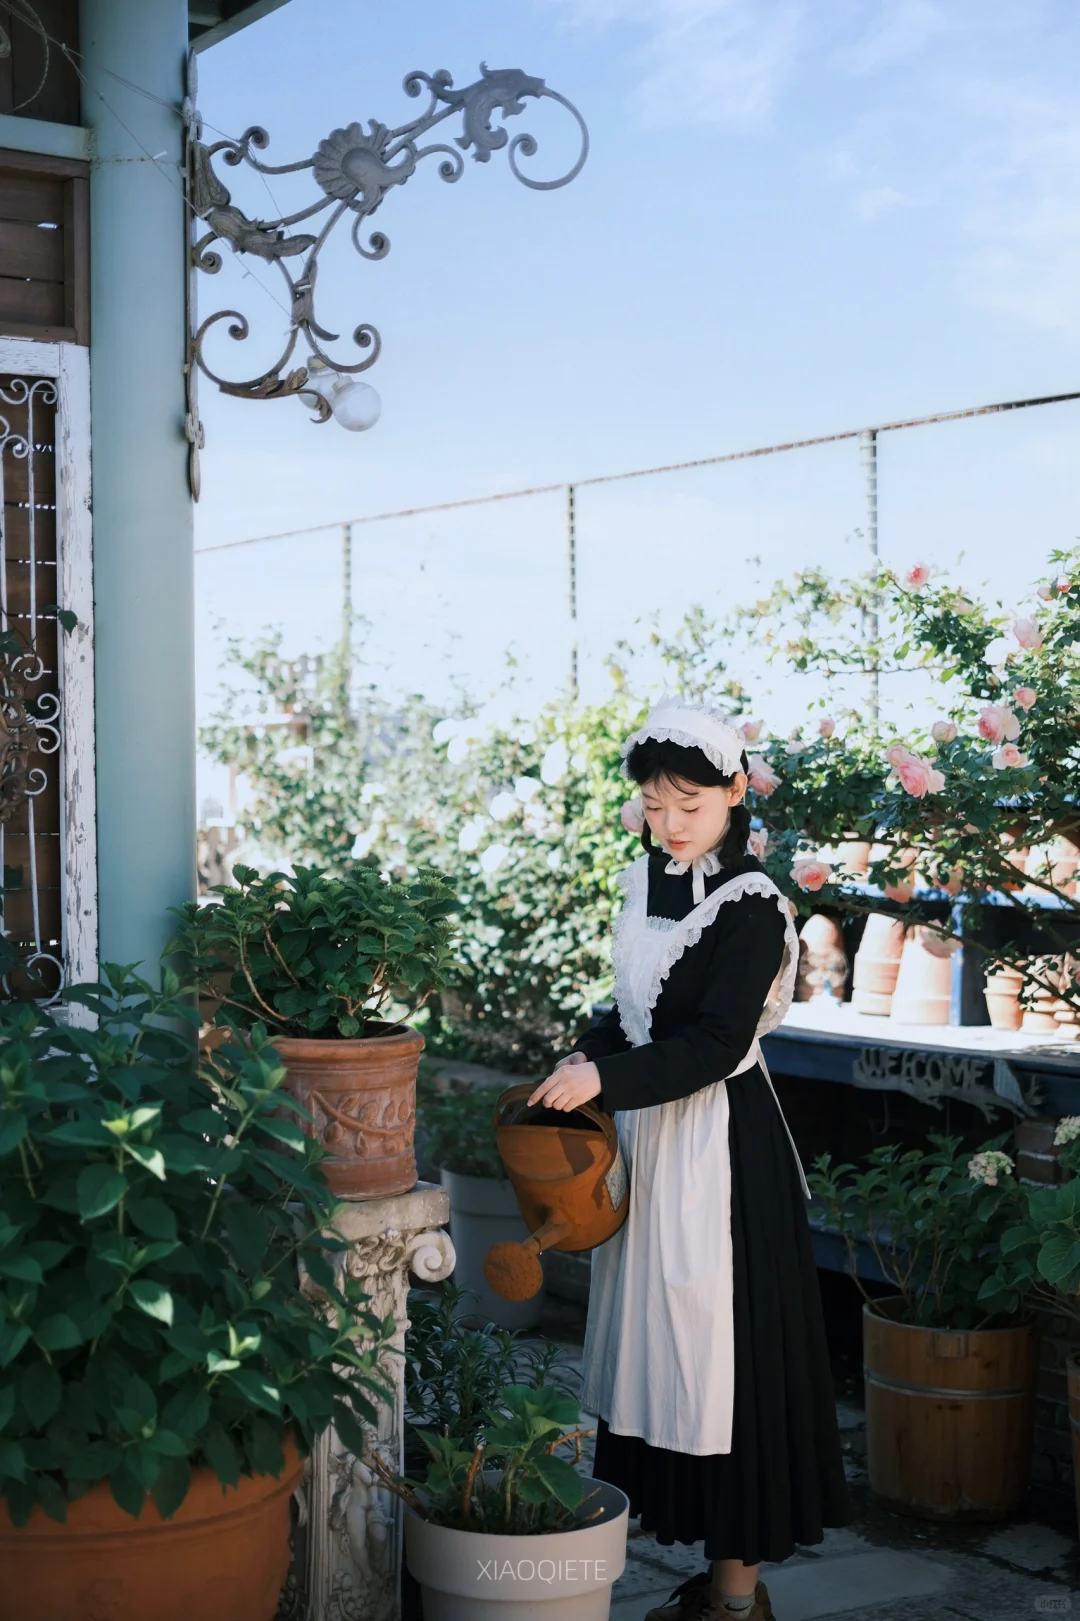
(162, 1371)
(954, 1333)
(1041, 1254)
(459, 1144)
(499, 1517)
(335, 967)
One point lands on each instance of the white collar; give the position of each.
(702, 867)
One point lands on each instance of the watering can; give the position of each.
(569, 1179)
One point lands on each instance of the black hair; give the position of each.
(656, 760)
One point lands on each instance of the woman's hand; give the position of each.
(573, 1082)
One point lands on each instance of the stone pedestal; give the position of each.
(348, 1533)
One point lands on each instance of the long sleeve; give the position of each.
(603, 1038)
(746, 953)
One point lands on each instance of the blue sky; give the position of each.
(797, 216)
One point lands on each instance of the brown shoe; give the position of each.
(693, 1601)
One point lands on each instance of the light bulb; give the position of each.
(354, 404)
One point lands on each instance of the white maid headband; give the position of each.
(695, 726)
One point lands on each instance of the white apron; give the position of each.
(659, 1355)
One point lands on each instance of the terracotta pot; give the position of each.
(1039, 1019)
(822, 959)
(223, 1556)
(1072, 1368)
(854, 857)
(877, 963)
(1002, 992)
(362, 1095)
(923, 993)
(949, 1416)
(1065, 862)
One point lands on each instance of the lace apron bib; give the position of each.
(659, 1355)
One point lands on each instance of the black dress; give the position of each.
(783, 1481)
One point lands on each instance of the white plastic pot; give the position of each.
(484, 1211)
(565, 1576)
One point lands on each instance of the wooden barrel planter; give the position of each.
(949, 1416)
(362, 1095)
(1074, 1425)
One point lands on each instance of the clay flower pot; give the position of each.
(223, 1556)
(1040, 1019)
(1002, 992)
(362, 1095)
(923, 993)
(877, 963)
(853, 857)
(822, 959)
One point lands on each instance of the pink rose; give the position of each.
(895, 753)
(795, 746)
(998, 724)
(1028, 633)
(763, 778)
(944, 731)
(826, 726)
(1008, 758)
(917, 575)
(963, 606)
(632, 815)
(751, 730)
(918, 777)
(759, 838)
(1064, 585)
(1046, 592)
(1024, 697)
(810, 873)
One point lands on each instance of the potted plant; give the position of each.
(954, 1333)
(459, 1143)
(335, 968)
(500, 1518)
(1041, 1254)
(162, 1371)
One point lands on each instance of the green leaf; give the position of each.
(153, 1217)
(13, 1128)
(7, 1405)
(128, 1491)
(13, 1336)
(257, 1390)
(187, 1411)
(221, 1455)
(267, 1457)
(99, 1190)
(20, 1267)
(152, 1159)
(58, 1333)
(248, 1232)
(152, 1298)
(561, 1479)
(12, 1460)
(51, 1498)
(40, 1390)
(171, 1485)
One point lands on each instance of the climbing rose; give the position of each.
(826, 726)
(963, 606)
(632, 815)
(1045, 592)
(895, 753)
(918, 777)
(1007, 758)
(998, 724)
(1028, 634)
(751, 730)
(759, 838)
(917, 575)
(810, 873)
(1024, 697)
(1064, 585)
(763, 778)
(944, 731)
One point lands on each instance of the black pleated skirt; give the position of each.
(783, 1481)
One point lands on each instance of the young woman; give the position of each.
(705, 1355)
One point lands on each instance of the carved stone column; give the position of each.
(348, 1536)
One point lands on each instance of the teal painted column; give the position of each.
(143, 563)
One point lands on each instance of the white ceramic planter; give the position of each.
(483, 1211)
(567, 1576)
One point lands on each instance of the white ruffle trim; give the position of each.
(636, 1020)
(722, 758)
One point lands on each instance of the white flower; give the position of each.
(444, 730)
(370, 791)
(457, 749)
(554, 860)
(987, 1166)
(493, 857)
(502, 806)
(525, 788)
(578, 761)
(553, 765)
(1068, 1130)
(363, 842)
(471, 834)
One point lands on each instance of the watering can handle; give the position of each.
(524, 1090)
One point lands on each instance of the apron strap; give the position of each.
(760, 1058)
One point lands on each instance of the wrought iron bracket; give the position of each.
(353, 170)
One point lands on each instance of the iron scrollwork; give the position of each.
(354, 168)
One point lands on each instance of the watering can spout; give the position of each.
(514, 1270)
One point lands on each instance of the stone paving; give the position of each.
(883, 1567)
